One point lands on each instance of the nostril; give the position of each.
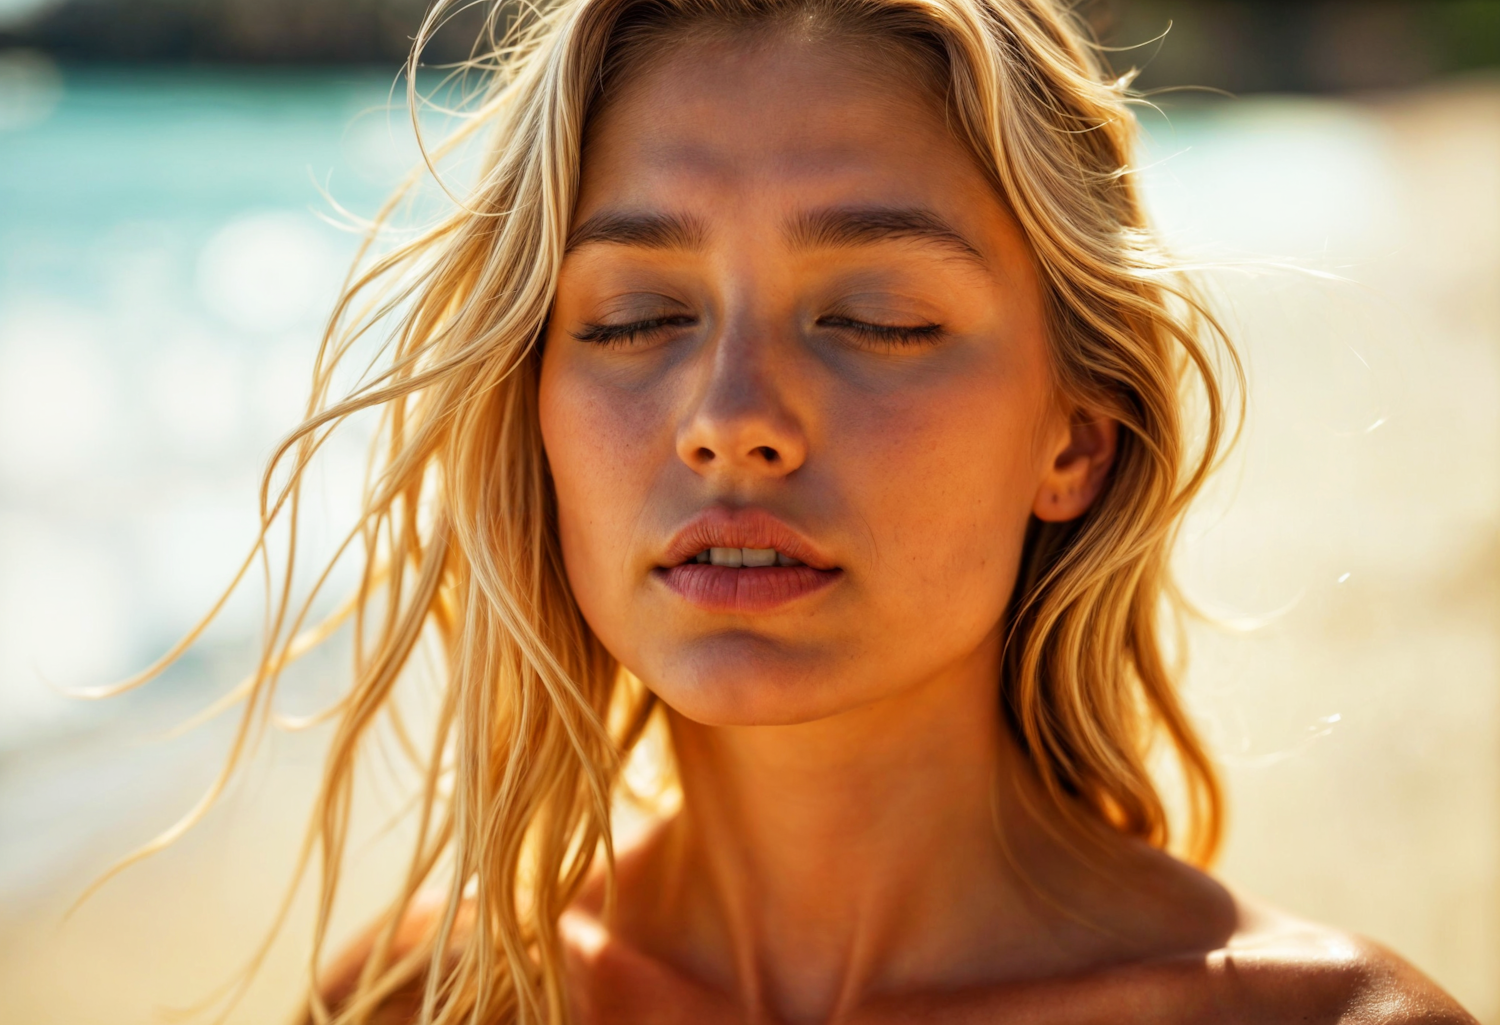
(705, 455)
(767, 453)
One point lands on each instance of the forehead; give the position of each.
(775, 117)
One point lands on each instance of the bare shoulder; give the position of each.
(1286, 969)
(1251, 964)
(1273, 970)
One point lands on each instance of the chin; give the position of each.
(743, 679)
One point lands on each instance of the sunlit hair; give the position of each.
(457, 537)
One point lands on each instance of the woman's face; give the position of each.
(796, 330)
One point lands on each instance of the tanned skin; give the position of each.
(860, 840)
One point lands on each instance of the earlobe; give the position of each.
(1079, 469)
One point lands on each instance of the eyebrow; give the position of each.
(648, 231)
(839, 227)
(831, 228)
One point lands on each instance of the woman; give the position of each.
(802, 375)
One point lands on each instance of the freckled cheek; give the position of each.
(601, 447)
(950, 484)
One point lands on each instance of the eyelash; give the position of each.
(894, 335)
(619, 335)
(616, 335)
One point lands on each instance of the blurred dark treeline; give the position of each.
(1236, 45)
(1246, 46)
(312, 32)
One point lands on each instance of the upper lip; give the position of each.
(722, 527)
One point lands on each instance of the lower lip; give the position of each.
(760, 589)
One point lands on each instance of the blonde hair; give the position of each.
(457, 533)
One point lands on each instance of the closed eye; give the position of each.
(887, 334)
(631, 333)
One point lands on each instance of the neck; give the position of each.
(820, 862)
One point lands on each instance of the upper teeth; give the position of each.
(737, 557)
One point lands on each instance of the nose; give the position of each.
(739, 421)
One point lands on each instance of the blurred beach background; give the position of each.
(176, 182)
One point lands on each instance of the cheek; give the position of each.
(952, 474)
(603, 455)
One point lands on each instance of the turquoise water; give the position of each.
(166, 260)
(188, 148)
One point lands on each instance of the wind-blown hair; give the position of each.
(458, 535)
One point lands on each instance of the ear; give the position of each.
(1079, 467)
